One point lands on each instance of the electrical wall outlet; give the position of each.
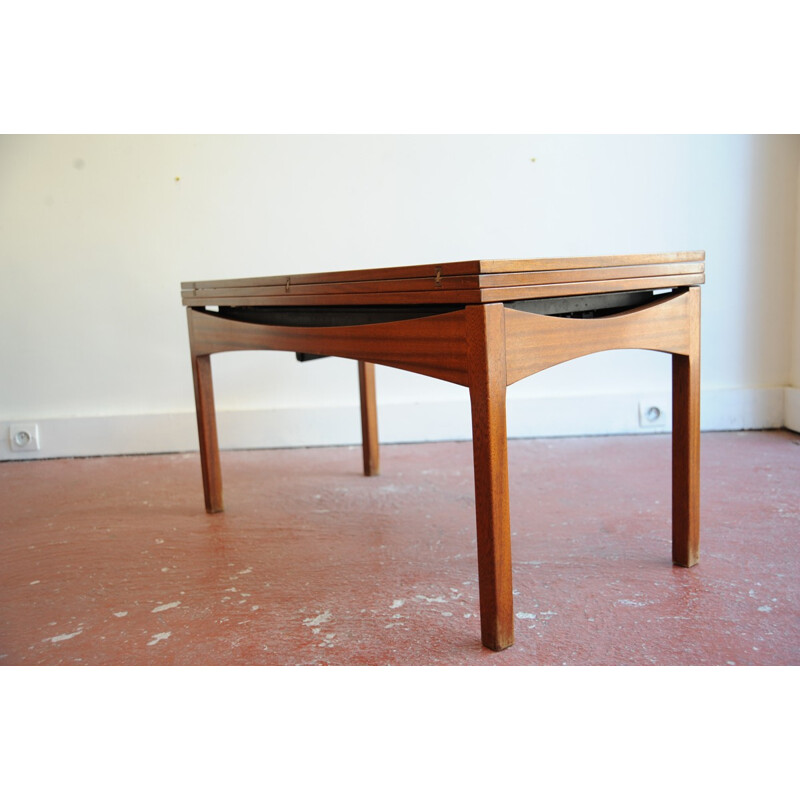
(24, 436)
(654, 413)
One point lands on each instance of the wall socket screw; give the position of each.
(24, 436)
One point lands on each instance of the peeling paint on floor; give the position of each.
(63, 637)
(166, 607)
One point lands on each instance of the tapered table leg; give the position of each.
(487, 388)
(207, 432)
(369, 418)
(686, 444)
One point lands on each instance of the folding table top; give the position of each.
(461, 282)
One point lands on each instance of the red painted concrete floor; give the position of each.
(113, 561)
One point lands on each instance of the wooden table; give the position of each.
(481, 324)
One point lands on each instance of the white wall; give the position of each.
(792, 403)
(97, 232)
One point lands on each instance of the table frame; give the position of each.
(485, 346)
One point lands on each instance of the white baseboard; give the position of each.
(722, 409)
(792, 408)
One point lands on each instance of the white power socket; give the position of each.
(23, 436)
(654, 413)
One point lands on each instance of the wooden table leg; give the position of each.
(487, 387)
(686, 444)
(207, 432)
(369, 418)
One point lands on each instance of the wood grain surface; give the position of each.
(454, 282)
(686, 441)
(472, 267)
(369, 418)
(434, 346)
(536, 342)
(486, 337)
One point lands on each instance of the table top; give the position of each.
(459, 282)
